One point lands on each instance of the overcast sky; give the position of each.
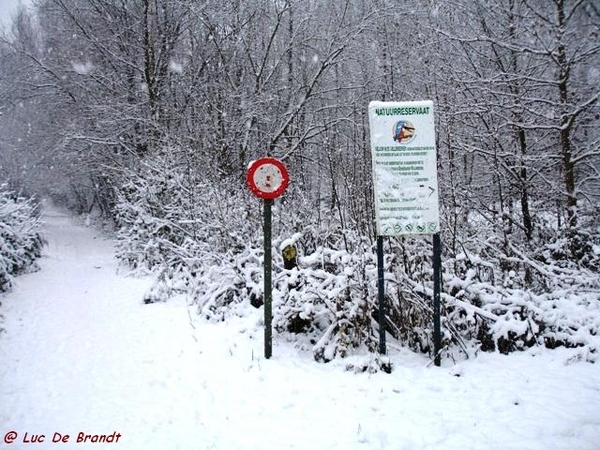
(7, 9)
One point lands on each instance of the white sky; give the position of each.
(7, 9)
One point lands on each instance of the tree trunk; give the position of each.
(568, 166)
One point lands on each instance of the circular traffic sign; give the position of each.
(267, 178)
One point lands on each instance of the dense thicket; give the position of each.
(150, 110)
(20, 238)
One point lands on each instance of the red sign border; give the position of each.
(254, 166)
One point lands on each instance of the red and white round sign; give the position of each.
(267, 178)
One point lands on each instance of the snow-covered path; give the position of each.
(83, 354)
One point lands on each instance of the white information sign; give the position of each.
(404, 167)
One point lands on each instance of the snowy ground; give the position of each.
(83, 354)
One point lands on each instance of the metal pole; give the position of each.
(381, 295)
(267, 279)
(437, 288)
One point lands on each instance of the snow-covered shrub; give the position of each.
(329, 299)
(324, 305)
(149, 211)
(221, 284)
(490, 309)
(21, 241)
(500, 292)
(409, 269)
(204, 240)
(180, 228)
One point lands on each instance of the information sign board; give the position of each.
(404, 167)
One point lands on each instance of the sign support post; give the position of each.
(381, 295)
(437, 288)
(268, 294)
(267, 179)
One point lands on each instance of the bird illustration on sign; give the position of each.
(404, 131)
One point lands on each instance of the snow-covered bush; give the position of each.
(329, 299)
(507, 297)
(500, 293)
(21, 241)
(179, 227)
(149, 211)
(326, 305)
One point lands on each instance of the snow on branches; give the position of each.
(20, 238)
(203, 241)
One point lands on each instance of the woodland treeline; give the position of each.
(149, 111)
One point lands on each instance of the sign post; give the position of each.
(267, 179)
(405, 186)
(437, 288)
(268, 270)
(381, 295)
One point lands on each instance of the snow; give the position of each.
(82, 68)
(175, 66)
(290, 241)
(82, 353)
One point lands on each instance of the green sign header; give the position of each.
(402, 111)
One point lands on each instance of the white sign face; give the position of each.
(404, 167)
(268, 178)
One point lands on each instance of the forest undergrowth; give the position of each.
(21, 240)
(205, 242)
